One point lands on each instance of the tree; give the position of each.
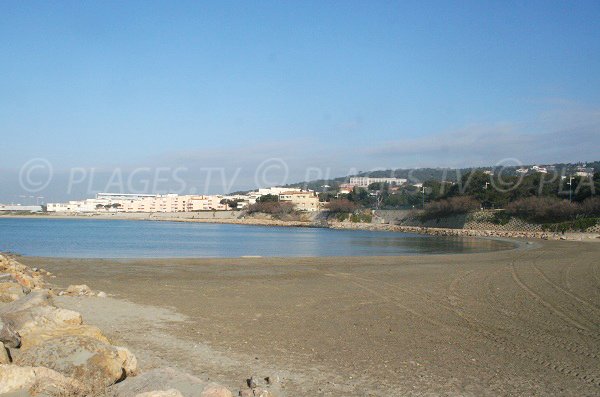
(233, 204)
(360, 196)
(267, 198)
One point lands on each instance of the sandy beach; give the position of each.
(521, 322)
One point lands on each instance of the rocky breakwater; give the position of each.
(445, 231)
(46, 350)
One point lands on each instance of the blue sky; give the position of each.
(337, 85)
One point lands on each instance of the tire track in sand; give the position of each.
(533, 334)
(595, 309)
(545, 303)
(496, 341)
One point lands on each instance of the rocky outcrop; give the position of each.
(37, 380)
(77, 357)
(11, 291)
(49, 350)
(449, 232)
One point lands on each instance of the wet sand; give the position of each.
(522, 322)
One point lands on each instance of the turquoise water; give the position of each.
(93, 238)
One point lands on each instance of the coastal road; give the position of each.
(521, 323)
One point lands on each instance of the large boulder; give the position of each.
(39, 336)
(78, 290)
(80, 357)
(10, 291)
(37, 324)
(215, 390)
(4, 357)
(159, 379)
(130, 364)
(33, 299)
(36, 320)
(36, 380)
(8, 336)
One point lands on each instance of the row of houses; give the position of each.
(303, 200)
(582, 171)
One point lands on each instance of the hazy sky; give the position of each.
(332, 85)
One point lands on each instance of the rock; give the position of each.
(215, 390)
(38, 324)
(253, 382)
(161, 393)
(10, 291)
(8, 336)
(78, 290)
(27, 281)
(262, 392)
(4, 357)
(130, 364)
(159, 379)
(80, 357)
(33, 299)
(101, 294)
(246, 393)
(36, 380)
(38, 336)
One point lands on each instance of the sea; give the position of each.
(96, 238)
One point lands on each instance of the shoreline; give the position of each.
(384, 227)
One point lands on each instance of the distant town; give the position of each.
(301, 199)
(312, 196)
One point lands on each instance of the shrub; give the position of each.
(590, 207)
(543, 209)
(578, 225)
(341, 216)
(451, 206)
(361, 218)
(341, 206)
(501, 218)
(271, 207)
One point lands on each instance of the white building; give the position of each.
(112, 202)
(365, 181)
(20, 208)
(586, 172)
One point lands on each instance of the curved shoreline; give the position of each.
(386, 227)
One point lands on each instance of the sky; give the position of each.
(254, 93)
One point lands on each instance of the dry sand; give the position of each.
(522, 322)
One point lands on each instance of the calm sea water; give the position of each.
(93, 238)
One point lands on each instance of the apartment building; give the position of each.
(365, 181)
(302, 200)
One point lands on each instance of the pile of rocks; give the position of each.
(46, 350)
(436, 231)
